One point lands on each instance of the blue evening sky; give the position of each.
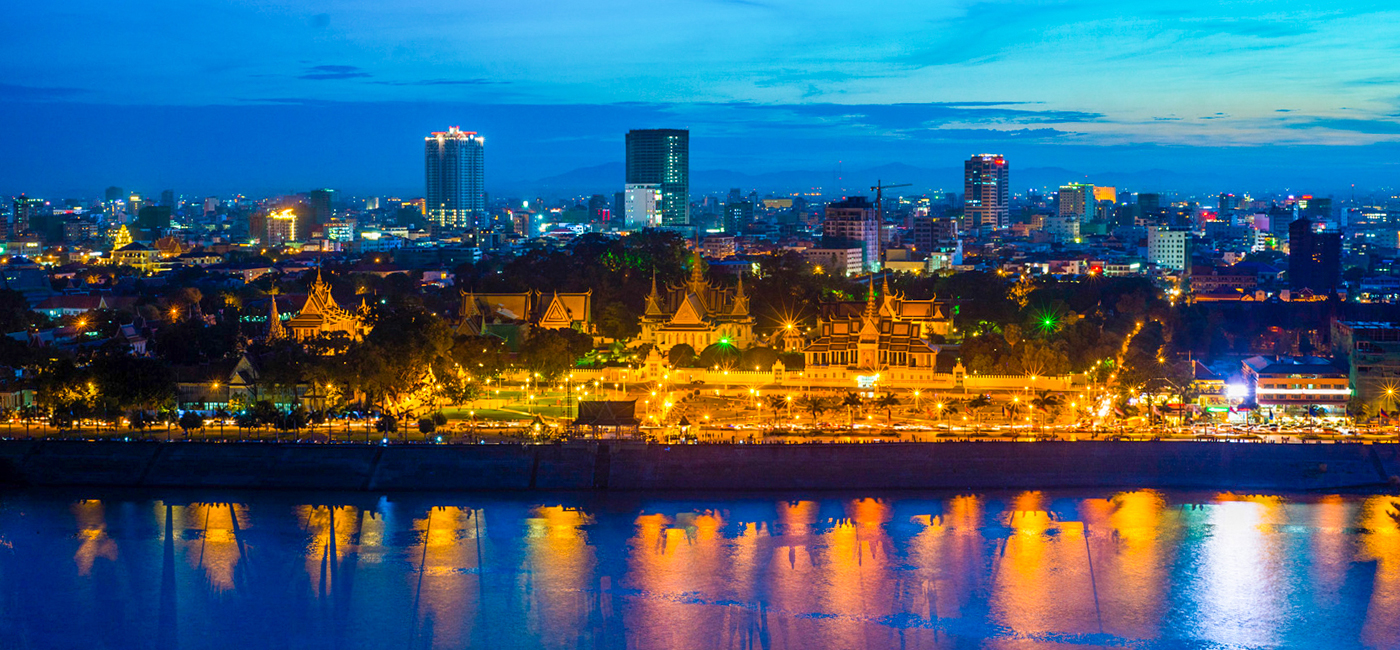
(223, 95)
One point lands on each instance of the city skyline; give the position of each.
(1236, 96)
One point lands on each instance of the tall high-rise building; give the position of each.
(986, 193)
(454, 162)
(737, 216)
(26, 209)
(1314, 258)
(662, 157)
(114, 193)
(1076, 201)
(167, 198)
(320, 213)
(850, 224)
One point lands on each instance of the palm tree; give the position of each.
(948, 408)
(774, 403)
(851, 402)
(814, 404)
(888, 401)
(975, 405)
(1047, 403)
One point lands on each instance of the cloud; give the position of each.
(20, 93)
(1251, 28)
(995, 134)
(441, 82)
(1369, 127)
(332, 72)
(922, 115)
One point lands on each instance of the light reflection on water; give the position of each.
(1028, 570)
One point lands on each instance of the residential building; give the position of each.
(644, 202)
(1076, 201)
(986, 193)
(840, 261)
(852, 224)
(454, 163)
(1370, 352)
(1169, 249)
(737, 216)
(1314, 258)
(662, 157)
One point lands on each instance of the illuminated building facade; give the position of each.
(885, 339)
(662, 157)
(1297, 385)
(644, 202)
(320, 315)
(454, 163)
(697, 313)
(986, 193)
(1076, 200)
(510, 315)
(853, 223)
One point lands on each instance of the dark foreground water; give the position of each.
(1027, 570)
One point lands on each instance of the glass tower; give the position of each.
(454, 162)
(662, 157)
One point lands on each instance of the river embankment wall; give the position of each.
(622, 466)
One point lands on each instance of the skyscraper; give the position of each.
(25, 211)
(320, 203)
(986, 193)
(454, 162)
(662, 157)
(1076, 200)
(1314, 258)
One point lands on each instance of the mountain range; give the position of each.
(608, 178)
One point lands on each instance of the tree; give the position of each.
(681, 356)
(888, 401)
(551, 352)
(775, 403)
(426, 426)
(721, 355)
(851, 402)
(190, 421)
(758, 358)
(1048, 404)
(814, 404)
(975, 406)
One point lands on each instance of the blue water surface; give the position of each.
(99, 569)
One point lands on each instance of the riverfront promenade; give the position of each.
(614, 465)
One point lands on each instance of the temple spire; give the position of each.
(741, 300)
(274, 323)
(870, 299)
(654, 299)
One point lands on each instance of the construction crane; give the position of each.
(879, 189)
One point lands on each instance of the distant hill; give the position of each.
(608, 178)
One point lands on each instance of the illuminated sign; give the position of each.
(867, 381)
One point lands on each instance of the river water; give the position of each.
(103, 569)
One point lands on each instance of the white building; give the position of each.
(1169, 249)
(1062, 227)
(836, 261)
(643, 205)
